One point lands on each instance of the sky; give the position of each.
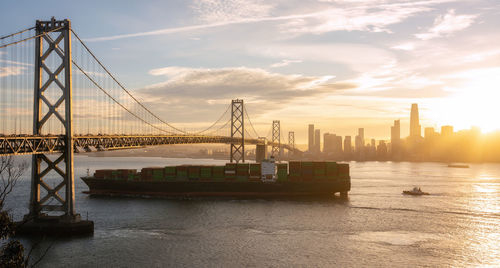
(339, 65)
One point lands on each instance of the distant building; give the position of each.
(396, 137)
(429, 132)
(447, 131)
(415, 128)
(360, 140)
(328, 142)
(347, 145)
(332, 144)
(317, 141)
(381, 150)
(311, 138)
(337, 145)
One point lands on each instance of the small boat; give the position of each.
(458, 166)
(415, 191)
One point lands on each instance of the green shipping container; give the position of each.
(331, 169)
(282, 167)
(231, 166)
(218, 172)
(206, 172)
(319, 169)
(307, 170)
(282, 176)
(169, 170)
(241, 178)
(182, 172)
(158, 174)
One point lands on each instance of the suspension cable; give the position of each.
(250, 121)
(29, 38)
(20, 32)
(220, 118)
(111, 97)
(122, 87)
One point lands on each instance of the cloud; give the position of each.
(447, 24)
(357, 57)
(369, 18)
(372, 16)
(11, 71)
(404, 46)
(16, 62)
(284, 63)
(211, 11)
(207, 89)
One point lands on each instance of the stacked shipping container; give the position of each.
(294, 171)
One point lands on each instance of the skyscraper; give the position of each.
(360, 140)
(414, 122)
(429, 132)
(317, 141)
(347, 145)
(396, 137)
(332, 144)
(337, 145)
(328, 145)
(311, 138)
(446, 131)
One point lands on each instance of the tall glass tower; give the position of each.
(311, 138)
(414, 122)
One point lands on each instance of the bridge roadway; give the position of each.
(31, 144)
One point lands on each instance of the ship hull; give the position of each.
(234, 189)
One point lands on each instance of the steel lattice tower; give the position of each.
(237, 131)
(291, 140)
(276, 143)
(58, 110)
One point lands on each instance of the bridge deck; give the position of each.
(18, 145)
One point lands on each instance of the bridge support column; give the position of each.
(237, 131)
(291, 143)
(276, 147)
(50, 211)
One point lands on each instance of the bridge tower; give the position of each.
(237, 131)
(45, 200)
(291, 142)
(276, 143)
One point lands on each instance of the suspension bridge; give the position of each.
(57, 99)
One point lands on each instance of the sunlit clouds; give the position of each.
(447, 24)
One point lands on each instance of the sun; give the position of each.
(473, 102)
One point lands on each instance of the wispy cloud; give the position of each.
(211, 11)
(11, 71)
(284, 63)
(405, 46)
(365, 16)
(16, 62)
(447, 24)
(357, 57)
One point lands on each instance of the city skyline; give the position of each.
(394, 145)
(309, 61)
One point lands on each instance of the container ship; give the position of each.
(242, 180)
